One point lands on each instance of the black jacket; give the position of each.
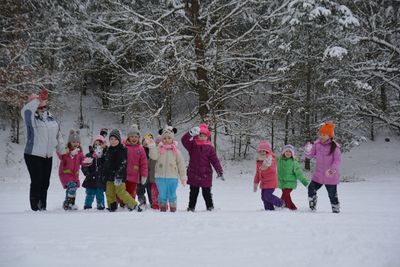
(115, 163)
(94, 173)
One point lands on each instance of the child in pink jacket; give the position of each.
(136, 165)
(266, 176)
(328, 159)
(68, 171)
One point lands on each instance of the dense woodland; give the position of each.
(252, 69)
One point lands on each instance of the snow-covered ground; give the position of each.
(237, 233)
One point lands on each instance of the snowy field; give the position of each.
(238, 233)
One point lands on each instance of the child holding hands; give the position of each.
(289, 171)
(266, 176)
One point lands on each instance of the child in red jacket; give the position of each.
(266, 176)
(137, 166)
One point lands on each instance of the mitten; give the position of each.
(150, 143)
(143, 180)
(267, 162)
(255, 187)
(221, 176)
(194, 131)
(75, 151)
(88, 161)
(118, 181)
(43, 95)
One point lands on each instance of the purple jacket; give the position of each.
(325, 162)
(202, 156)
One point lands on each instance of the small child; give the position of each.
(137, 168)
(202, 156)
(328, 156)
(70, 162)
(115, 173)
(266, 176)
(170, 166)
(289, 171)
(150, 186)
(94, 182)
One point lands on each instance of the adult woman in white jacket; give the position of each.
(43, 137)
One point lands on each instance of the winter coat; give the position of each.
(69, 167)
(151, 166)
(289, 171)
(169, 164)
(115, 163)
(42, 131)
(202, 156)
(136, 165)
(325, 161)
(267, 178)
(94, 173)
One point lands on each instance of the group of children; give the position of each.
(128, 168)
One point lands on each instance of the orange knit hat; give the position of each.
(327, 128)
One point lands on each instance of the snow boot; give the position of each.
(163, 207)
(312, 201)
(69, 204)
(190, 209)
(335, 208)
(210, 208)
(112, 207)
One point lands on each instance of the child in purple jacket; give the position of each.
(328, 158)
(202, 155)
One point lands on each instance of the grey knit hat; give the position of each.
(74, 136)
(116, 134)
(133, 131)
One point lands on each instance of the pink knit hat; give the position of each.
(99, 138)
(264, 145)
(204, 129)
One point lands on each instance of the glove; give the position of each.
(194, 131)
(308, 148)
(74, 152)
(88, 161)
(43, 95)
(267, 162)
(118, 181)
(330, 172)
(221, 176)
(255, 187)
(143, 180)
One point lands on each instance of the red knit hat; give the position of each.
(328, 129)
(204, 129)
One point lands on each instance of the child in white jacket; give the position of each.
(169, 167)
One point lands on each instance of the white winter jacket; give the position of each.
(42, 131)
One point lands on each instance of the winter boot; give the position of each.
(210, 208)
(335, 208)
(172, 206)
(87, 207)
(312, 201)
(113, 207)
(190, 209)
(69, 204)
(163, 207)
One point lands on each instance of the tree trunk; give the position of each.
(192, 9)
